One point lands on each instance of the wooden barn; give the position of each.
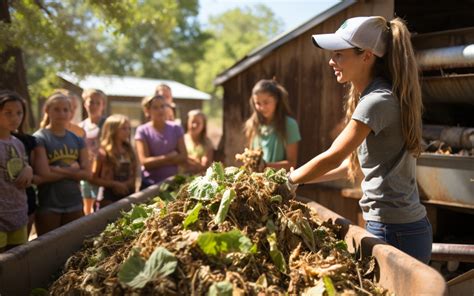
(316, 98)
(125, 94)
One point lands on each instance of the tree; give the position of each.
(124, 37)
(235, 33)
(12, 69)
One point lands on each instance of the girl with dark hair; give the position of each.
(270, 126)
(159, 143)
(15, 173)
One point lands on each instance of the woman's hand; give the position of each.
(24, 178)
(172, 153)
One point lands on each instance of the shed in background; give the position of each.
(125, 94)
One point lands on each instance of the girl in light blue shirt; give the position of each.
(270, 126)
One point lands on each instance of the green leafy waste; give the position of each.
(216, 244)
(230, 231)
(136, 272)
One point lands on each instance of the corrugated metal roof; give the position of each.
(134, 87)
(262, 51)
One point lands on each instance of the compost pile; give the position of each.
(229, 232)
(251, 159)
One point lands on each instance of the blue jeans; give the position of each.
(414, 238)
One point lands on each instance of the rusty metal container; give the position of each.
(32, 265)
(446, 179)
(399, 272)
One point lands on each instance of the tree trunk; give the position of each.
(12, 68)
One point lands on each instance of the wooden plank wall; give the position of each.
(315, 97)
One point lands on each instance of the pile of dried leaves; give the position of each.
(229, 232)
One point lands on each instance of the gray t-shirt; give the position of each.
(62, 196)
(13, 207)
(390, 192)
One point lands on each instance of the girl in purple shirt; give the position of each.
(159, 143)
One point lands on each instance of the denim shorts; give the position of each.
(414, 238)
(88, 190)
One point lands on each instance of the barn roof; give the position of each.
(125, 86)
(260, 52)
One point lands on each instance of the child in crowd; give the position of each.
(199, 147)
(165, 91)
(159, 143)
(94, 103)
(76, 129)
(270, 126)
(115, 167)
(29, 142)
(62, 161)
(16, 174)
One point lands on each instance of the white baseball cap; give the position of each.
(365, 32)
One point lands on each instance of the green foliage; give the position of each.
(223, 288)
(207, 186)
(226, 200)
(276, 255)
(276, 176)
(192, 216)
(216, 244)
(142, 38)
(341, 245)
(123, 37)
(236, 33)
(135, 272)
(130, 224)
(330, 290)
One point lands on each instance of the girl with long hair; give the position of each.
(115, 167)
(62, 162)
(199, 147)
(271, 127)
(383, 130)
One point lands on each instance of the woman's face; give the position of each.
(94, 105)
(59, 112)
(157, 110)
(166, 93)
(123, 132)
(195, 124)
(265, 104)
(347, 65)
(11, 115)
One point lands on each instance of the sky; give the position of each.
(291, 12)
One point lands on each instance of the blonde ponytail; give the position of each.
(405, 84)
(400, 67)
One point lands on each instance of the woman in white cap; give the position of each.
(383, 131)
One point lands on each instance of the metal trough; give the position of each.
(446, 179)
(399, 272)
(32, 265)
